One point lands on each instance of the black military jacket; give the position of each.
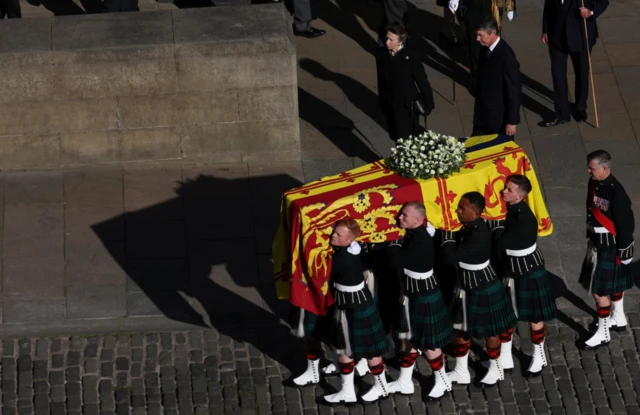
(517, 232)
(416, 253)
(472, 246)
(610, 198)
(347, 269)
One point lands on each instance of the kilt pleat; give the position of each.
(316, 326)
(431, 326)
(489, 311)
(608, 277)
(534, 297)
(367, 336)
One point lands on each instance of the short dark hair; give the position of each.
(521, 181)
(397, 29)
(351, 225)
(476, 200)
(487, 24)
(601, 156)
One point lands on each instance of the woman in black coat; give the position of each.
(401, 81)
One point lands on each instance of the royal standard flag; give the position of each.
(373, 195)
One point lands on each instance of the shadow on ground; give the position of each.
(193, 259)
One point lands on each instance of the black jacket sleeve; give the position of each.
(453, 252)
(599, 7)
(545, 15)
(512, 88)
(420, 78)
(624, 223)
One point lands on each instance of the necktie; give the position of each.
(488, 53)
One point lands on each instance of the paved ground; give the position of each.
(107, 249)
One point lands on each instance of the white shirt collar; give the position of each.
(492, 47)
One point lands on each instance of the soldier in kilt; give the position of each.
(357, 328)
(481, 305)
(424, 320)
(312, 328)
(522, 267)
(606, 271)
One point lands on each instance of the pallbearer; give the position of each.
(606, 272)
(524, 274)
(425, 322)
(483, 307)
(358, 330)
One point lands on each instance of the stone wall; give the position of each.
(214, 84)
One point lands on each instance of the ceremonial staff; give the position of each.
(593, 89)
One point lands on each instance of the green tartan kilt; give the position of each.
(316, 326)
(489, 311)
(608, 277)
(431, 326)
(534, 297)
(367, 336)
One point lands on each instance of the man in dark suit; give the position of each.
(563, 31)
(10, 9)
(499, 90)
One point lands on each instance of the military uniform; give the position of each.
(522, 264)
(482, 308)
(610, 226)
(423, 318)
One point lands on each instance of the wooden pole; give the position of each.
(593, 89)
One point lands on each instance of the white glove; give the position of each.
(354, 248)
(627, 261)
(430, 229)
(453, 5)
(510, 15)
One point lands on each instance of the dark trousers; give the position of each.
(478, 130)
(302, 15)
(402, 123)
(10, 9)
(580, 63)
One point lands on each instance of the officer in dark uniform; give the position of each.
(486, 309)
(606, 271)
(524, 274)
(425, 323)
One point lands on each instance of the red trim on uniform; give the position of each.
(377, 369)
(506, 337)
(346, 368)
(437, 363)
(494, 353)
(617, 296)
(461, 350)
(601, 217)
(537, 336)
(603, 311)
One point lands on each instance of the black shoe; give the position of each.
(582, 115)
(310, 32)
(554, 122)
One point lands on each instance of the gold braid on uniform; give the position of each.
(498, 7)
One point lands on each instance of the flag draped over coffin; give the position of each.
(373, 195)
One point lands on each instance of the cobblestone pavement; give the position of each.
(204, 372)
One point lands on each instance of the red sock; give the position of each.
(617, 296)
(346, 368)
(312, 355)
(537, 336)
(407, 359)
(506, 337)
(603, 311)
(377, 369)
(494, 353)
(437, 363)
(461, 350)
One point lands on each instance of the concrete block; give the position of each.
(115, 79)
(268, 103)
(89, 261)
(36, 276)
(213, 140)
(64, 116)
(150, 144)
(141, 53)
(22, 151)
(89, 148)
(214, 182)
(96, 301)
(225, 72)
(156, 239)
(179, 109)
(26, 84)
(111, 30)
(150, 193)
(104, 223)
(26, 308)
(33, 230)
(25, 43)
